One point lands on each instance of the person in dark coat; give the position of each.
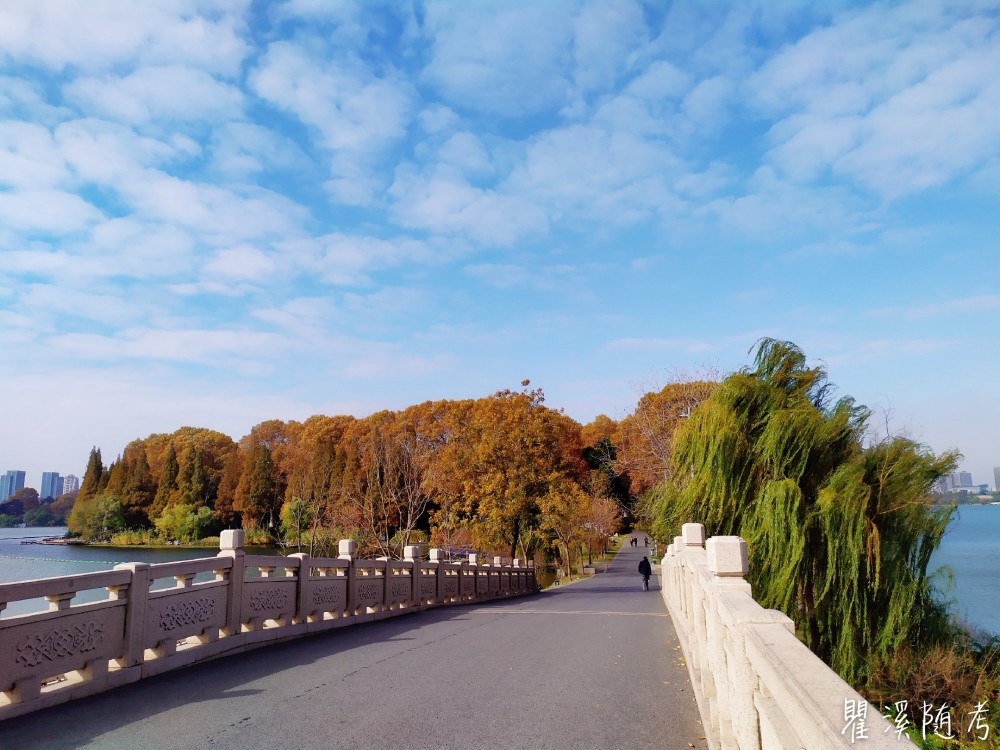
(645, 570)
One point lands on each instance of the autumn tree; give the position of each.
(315, 471)
(505, 452)
(383, 481)
(565, 510)
(644, 440)
(225, 501)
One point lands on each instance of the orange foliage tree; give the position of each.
(644, 440)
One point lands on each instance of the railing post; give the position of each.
(137, 595)
(345, 551)
(438, 556)
(303, 589)
(726, 557)
(231, 545)
(411, 554)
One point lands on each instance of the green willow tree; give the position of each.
(839, 529)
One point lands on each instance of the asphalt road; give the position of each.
(594, 664)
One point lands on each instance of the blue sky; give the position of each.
(220, 213)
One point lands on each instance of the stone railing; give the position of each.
(155, 618)
(758, 687)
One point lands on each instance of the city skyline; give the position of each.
(220, 214)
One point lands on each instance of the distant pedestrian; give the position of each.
(645, 570)
(645, 542)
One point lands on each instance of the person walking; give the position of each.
(645, 570)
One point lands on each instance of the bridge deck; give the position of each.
(592, 665)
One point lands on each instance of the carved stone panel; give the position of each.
(184, 613)
(428, 588)
(368, 593)
(53, 645)
(451, 586)
(400, 589)
(266, 599)
(330, 596)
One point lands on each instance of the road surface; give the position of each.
(595, 664)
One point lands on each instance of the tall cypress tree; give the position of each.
(167, 484)
(91, 483)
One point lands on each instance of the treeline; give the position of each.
(24, 506)
(504, 474)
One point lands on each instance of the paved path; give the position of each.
(594, 664)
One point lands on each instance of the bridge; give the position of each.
(437, 655)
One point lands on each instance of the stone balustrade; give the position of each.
(758, 687)
(155, 618)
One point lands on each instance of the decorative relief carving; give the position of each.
(368, 590)
(400, 589)
(57, 644)
(187, 613)
(427, 588)
(268, 599)
(450, 586)
(328, 595)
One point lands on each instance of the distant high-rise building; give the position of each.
(71, 483)
(996, 478)
(52, 485)
(963, 479)
(10, 483)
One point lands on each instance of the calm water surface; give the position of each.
(24, 562)
(971, 548)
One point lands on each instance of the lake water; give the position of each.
(971, 548)
(25, 562)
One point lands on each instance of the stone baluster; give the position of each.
(304, 611)
(438, 556)
(411, 554)
(231, 545)
(726, 558)
(137, 592)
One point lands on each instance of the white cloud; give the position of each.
(500, 58)
(896, 98)
(107, 153)
(436, 118)
(93, 34)
(220, 215)
(108, 306)
(243, 148)
(959, 306)
(606, 35)
(220, 347)
(241, 263)
(357, 114)
(29, 157)
(349, 259)
(590, 172)
(707, 104)
(46, 211)
(157, 93)
(447, 204)
(468, 153)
